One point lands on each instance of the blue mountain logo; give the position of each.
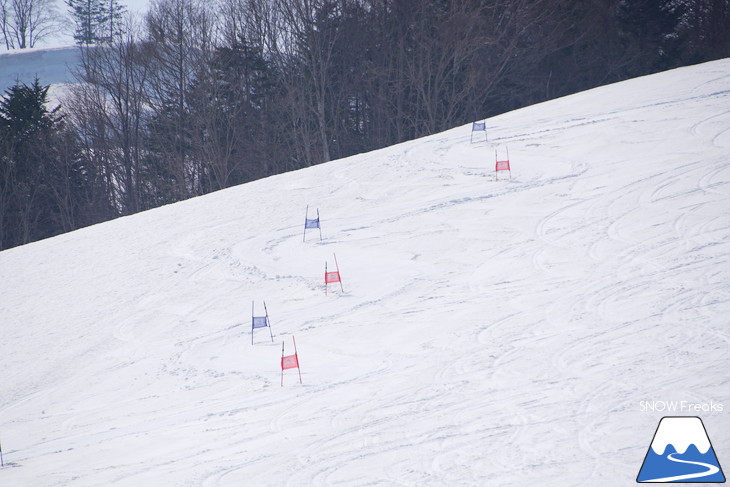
(681, 452)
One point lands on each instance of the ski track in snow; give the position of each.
(491, 332)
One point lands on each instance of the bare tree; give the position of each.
(257, 21)
(280, 140)
(108, 110)
(7, 185)
(181, 35)
(23, 23)
(310, 33)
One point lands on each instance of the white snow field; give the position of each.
(491, 333)
(52, 66)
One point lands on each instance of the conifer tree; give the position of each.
(24, 122)
(97, 21)
(110, 28)
(87, 15)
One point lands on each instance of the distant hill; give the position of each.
(51, 66)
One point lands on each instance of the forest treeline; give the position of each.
(198, 96)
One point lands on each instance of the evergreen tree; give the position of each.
(652, 28)
(24, 122)
(23, 112)
(44, 188)
(229, 106)
(97, 21)
(110, 28)
(703, 29)
(87, 14)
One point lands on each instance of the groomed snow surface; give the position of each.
(497, 333)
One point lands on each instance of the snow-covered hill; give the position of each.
(490, 333)
(52, 66)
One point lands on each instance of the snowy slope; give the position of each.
(52, 66)
(490, 333)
